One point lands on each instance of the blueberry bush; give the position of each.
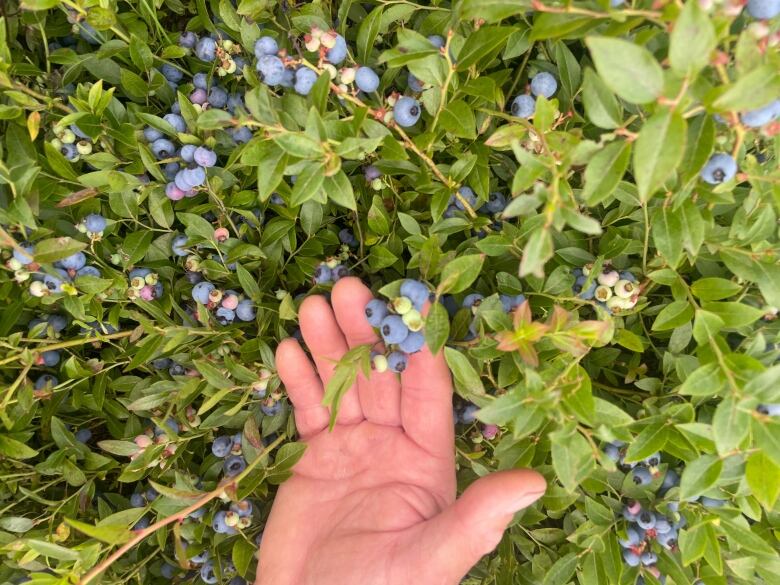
(586, 191)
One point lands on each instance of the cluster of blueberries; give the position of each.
(227, 305)
(71, 142)
(228, 447)
(144, 284)
(400, 323)
(496, 202)
(542, 84)
(61, 281)
(612, 290)
(466, 414)
(644, 526)
(332, 270)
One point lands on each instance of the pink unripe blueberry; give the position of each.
(230, 302)
(147, 293)
(221, 234)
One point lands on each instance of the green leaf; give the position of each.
(110, 534)
(604, 172)
(673, 315)
(667, 234)
(692, 41)
(627, 68)
(437, 327)
(751, 91)
(699, 476)
(707, 380)
(730, 424)
(16, 524)
(492, 10)
(734, 314)
(53, 249)
(572, 458)
(458, 119)
(300, 145)
(763, 478)
(562, 570)
(502, 410)
(658, 151)
(14, 449)
(653, 438)
(458, 274)
(483, 42)
(137, 244)
(601, 106)
(464, 373)
(344, 377)
(706, 325)
(248, 283)
(538, 250)
(308, 184)
(714, 288)
(339, 190)
(367, 32)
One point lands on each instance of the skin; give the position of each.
(374, 501)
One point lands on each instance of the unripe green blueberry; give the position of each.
(625, 289)
(603, 293)
(413, 320)
(67, 136)
(38, 289)
(402, 305)
(84, 147)
(379, 362)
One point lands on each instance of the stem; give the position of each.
(178, 516)
(74, 343)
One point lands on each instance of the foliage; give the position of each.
(607, 174)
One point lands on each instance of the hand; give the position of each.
(373, 501)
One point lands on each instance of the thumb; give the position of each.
(456, 539)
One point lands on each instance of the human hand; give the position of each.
(373, 501)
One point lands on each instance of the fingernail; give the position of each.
(527, 499)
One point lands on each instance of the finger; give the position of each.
(455, 540)
(426, 402)
(380, 395)
(304, 387)
(327, 345)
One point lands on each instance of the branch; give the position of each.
(178, 516)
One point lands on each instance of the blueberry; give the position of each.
(167, 570)
(641, 476)
(205, 157)
(544, 84)
(161, 363)
(271, 69)
(73, 262)
(288, 78)
(54, 283)
(495, 204)
(207, 572)
(266, 46)
(46, 380)
(188, 40)
(58, 322)
(466, 193)
(406, 111)
(376, 311)
(69, 151)
(649, 558)
(217, 97)
(667, 539)
(413, 342)
(631, 558)
(633, 537)
(176, 121)
(242, 508)
(396, 362)
(393, 329)
(711, 502)
(769, 409)
(245, 310)
(201, 557)
(719, 169)
(271, 408)
(176, 370)
(219, 525)
(163, 148)
(51, 358)
(415, 291)
(671, 479)
(151, 494)
(206, 49)
(612, 451)
(370, 172)
(194, 177)
(589, 293)
(137, 500)
(171, 73)
(234, 102)
(142, 523)
(763, 9)
(414, 84)
(347, 237)
(511, 302)
(437, 41)
(234, 465)
(646, 520)
(95, 223)
(653, 460)
(469, 414)
(151, 134)
(523, 106)
(662, 525)
(366, 79)
(201, 81)
(225, 316)
(472, 300)
(304, 80)
(241, 135)
(23, 255)
(338, 52)
(322, 274)
(200, 292)
(762, 116)
(88, 271)
(83, 435)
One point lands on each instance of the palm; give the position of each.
(372, 502)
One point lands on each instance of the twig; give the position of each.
(74, 343)
(178, 516)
